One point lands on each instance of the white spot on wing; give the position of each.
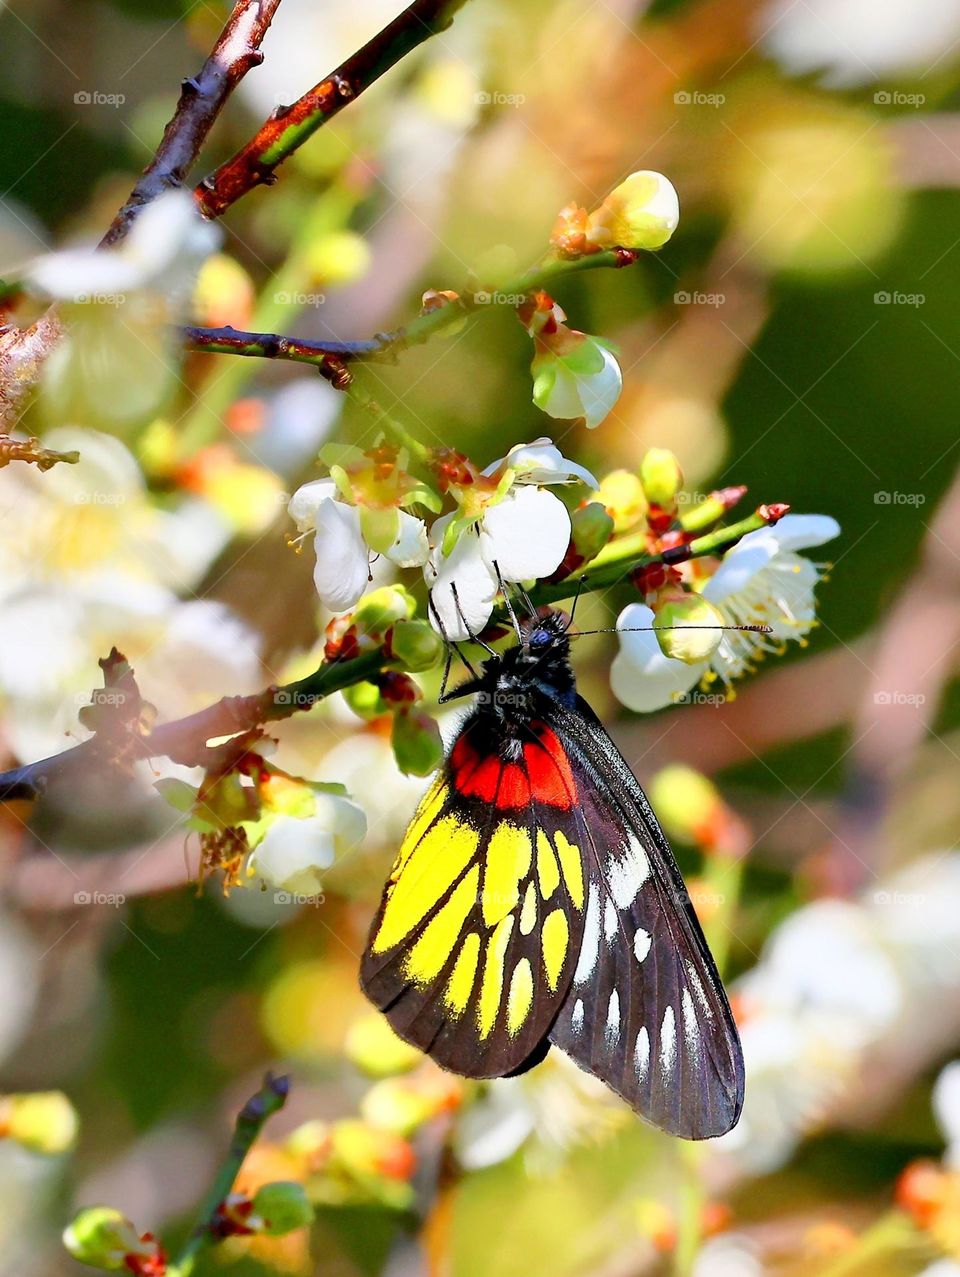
(641, 944)
(590, 945)
(611, 1030)
(668, 1042)
(576, 1019)
(628, 875)
(641, 1054)
(609, 920)
(698, 990)
(691, 1030)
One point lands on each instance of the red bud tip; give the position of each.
(729, 497)
(773, 513)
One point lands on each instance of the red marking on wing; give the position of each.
(551, 780)
(544, 774)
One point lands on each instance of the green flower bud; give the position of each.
(374, 1047)
(101, 1237)
(380, 609)
(416, 742)
(661, 476)
(283, 1207)
(592, 528)
(338, 258)
(365, 700)
(45, 1122)
(416, 645)
(641, 213)
(688, 640)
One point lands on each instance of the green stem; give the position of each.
(250, 1120)
(892, 1233)
(398, 432)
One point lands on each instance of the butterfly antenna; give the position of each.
(642, 629)
(576, 599)
(451, 648)
(474, 638)
(507, 602)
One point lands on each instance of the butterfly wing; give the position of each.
(646, 1011)
(474, 945)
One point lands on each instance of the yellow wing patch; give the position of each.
(492, 986)
(572, 867)
(548, 871)
(461, 982)
(520, 997)
(508, 856)
(432, 951)
(434, 863)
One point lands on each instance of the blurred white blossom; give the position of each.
(856, 41)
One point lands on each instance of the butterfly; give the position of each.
(535, 901)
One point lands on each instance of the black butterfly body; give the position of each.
(535, 900)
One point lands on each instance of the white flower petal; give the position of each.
(804, 531)
(601, 390)
(411, 548)
(564, 400)
(641, 677)
(946, 1102)
(476, 585)
(342, 569)
(741, 564)
(303, 505)
(541, 462)
(294, 853)
(526, 534)
(346, 820)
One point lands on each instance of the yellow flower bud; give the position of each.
(685, 801)
(592, 528)
(661, 476)
(686, 639)
(45, 1122)
(101, 1237)
(338, 258)
(374, 1047)
(641, 213)
(622, 493)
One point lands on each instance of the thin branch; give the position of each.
(290, 126)
(202, 98)
(268, 1100)
(330, 357)
(185, 740)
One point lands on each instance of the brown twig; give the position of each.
(290, 126)
(202, 98)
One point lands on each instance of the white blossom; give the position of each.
(523, 537)
(762, 580)
(585, 384)
(541, 462)
(295, 850)
(342, 569)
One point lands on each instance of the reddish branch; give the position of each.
(202, 98)
(290, 126)
(328, 357)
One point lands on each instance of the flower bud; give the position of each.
(223, 294)
(709, 511)
(688, 628)
(364, 1150)
(661, 476)
(311, 1145)
(416, 645)
(591, 529)
(621, 492)
(685, 801)
(374, 1047)
(45, 1122)
(338, 258)
(404, 1104)
(416, 742)
(380, 609)
(101, 1237)
(576, 376)
(281, 1207)
(642, 212)
(365, 701)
